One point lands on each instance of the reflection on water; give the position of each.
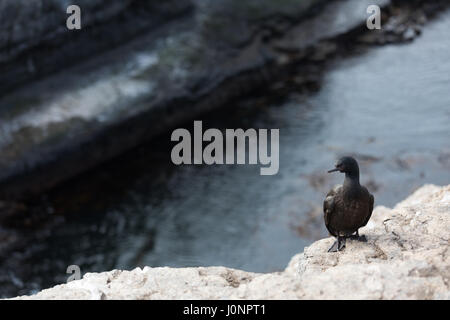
(389, 108)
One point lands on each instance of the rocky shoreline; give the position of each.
(407, 256)
(58, 121)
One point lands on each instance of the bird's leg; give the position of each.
(338, 245)
(334, 247)
(341, 243)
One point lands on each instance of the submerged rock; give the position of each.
(407, 256)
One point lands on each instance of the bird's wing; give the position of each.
(371, 201)
(328, 207)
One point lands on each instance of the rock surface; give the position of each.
(407, 256)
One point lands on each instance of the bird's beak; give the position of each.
(333, 170)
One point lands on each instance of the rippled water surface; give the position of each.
(390, 107)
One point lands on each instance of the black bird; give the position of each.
(347, 207)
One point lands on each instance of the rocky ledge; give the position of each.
(407, 256)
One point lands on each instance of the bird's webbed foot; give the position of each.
(356, 236)
(362, 238)
(338, 245)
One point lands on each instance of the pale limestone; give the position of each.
(407, 256)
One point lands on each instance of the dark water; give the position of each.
(389, 107)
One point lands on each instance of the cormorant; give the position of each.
(347, 207)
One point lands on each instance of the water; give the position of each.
(390, 107)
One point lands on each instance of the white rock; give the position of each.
(407, 256)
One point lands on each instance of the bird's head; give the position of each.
(347, 165)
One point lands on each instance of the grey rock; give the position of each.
(24, 23)
(119, 99)
(409, 34)
(35, 42)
